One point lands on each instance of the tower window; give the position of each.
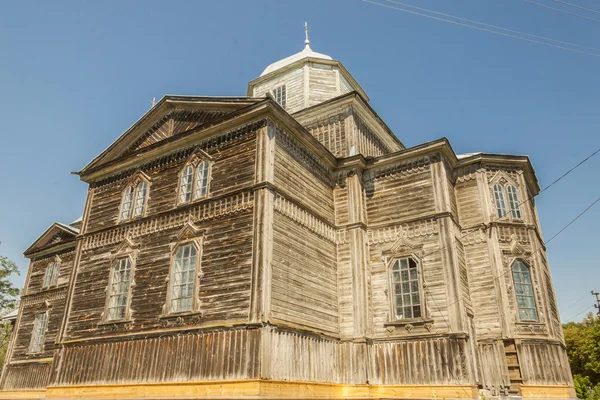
(280, 95)
(524, 291)
(406, 289)
(501, 194)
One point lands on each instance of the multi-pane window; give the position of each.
(51, 275)
(134, 200)
(194, 182)
(406, 289)
(513, 201)
(183, 279)
(524, 291)
(500, 194)
(36, 343)
(118, 296)
(279, 93)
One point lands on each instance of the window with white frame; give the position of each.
(280, 95)
(193, 184)
(524, 291)
(406, 289)
(503, 192)
(119, 288)
(36, 344)
(133, 202)
(51, 274)
(183, 278)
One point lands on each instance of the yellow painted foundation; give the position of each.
(249, 389)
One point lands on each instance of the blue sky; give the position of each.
(75, 75)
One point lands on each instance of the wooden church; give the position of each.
(287, 245)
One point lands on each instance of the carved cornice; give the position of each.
(409, 230)
(406, 168)
(209, 209)
(50, 295)
(180, 154)
(304, 218)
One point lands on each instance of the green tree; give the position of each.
(583, 347)
(8, 292)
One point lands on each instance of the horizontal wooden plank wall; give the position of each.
(296, 356)
(294, 81)
(493, 367)
(323, 83)
(27, 376)
(434, 361)
(364, 138)
(303, 177)
(225, 354)
(400, 192)
(304, 277)
(535, 356)
(331, 133)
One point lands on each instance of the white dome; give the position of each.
(306, 53)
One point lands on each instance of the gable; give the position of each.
(57, 235)
(170, 117)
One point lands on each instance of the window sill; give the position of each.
(115, 322)
(183, 314)
(409, 321)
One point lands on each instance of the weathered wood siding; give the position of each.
(420, 361)
(27, 376)
(493, 367)
(34, 301)
(468, 199)
(536, 357)
(295, 356)
(400, 192)
(424, 234)
(294, 81)
(323, 83)
(331, 133)
(303, 177)
(364, 139)
(304, 273)
(188, 356)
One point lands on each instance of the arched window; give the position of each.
(51, 275)
(119, 287)
(183, 279)
(500, 202)
(524, 291)
(185, 188)
(513, 201)
(194, 181)
(406, 288)
(133, 203)
(141, 193)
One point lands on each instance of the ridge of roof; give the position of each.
(307, 52)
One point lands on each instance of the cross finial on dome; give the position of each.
(306, 41)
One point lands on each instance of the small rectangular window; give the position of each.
(119, 289)
(37, 335)
(279, 93)
(51, 275)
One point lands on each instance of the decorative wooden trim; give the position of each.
(413, 166)
(50, 295)
(415, 229)
(209, 209)
(285, 207)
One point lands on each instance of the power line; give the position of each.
(537, 250)
(577, 302)
(561, 11)
(576, 6)
(493, 26)
(578, 314)
(482, 29)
